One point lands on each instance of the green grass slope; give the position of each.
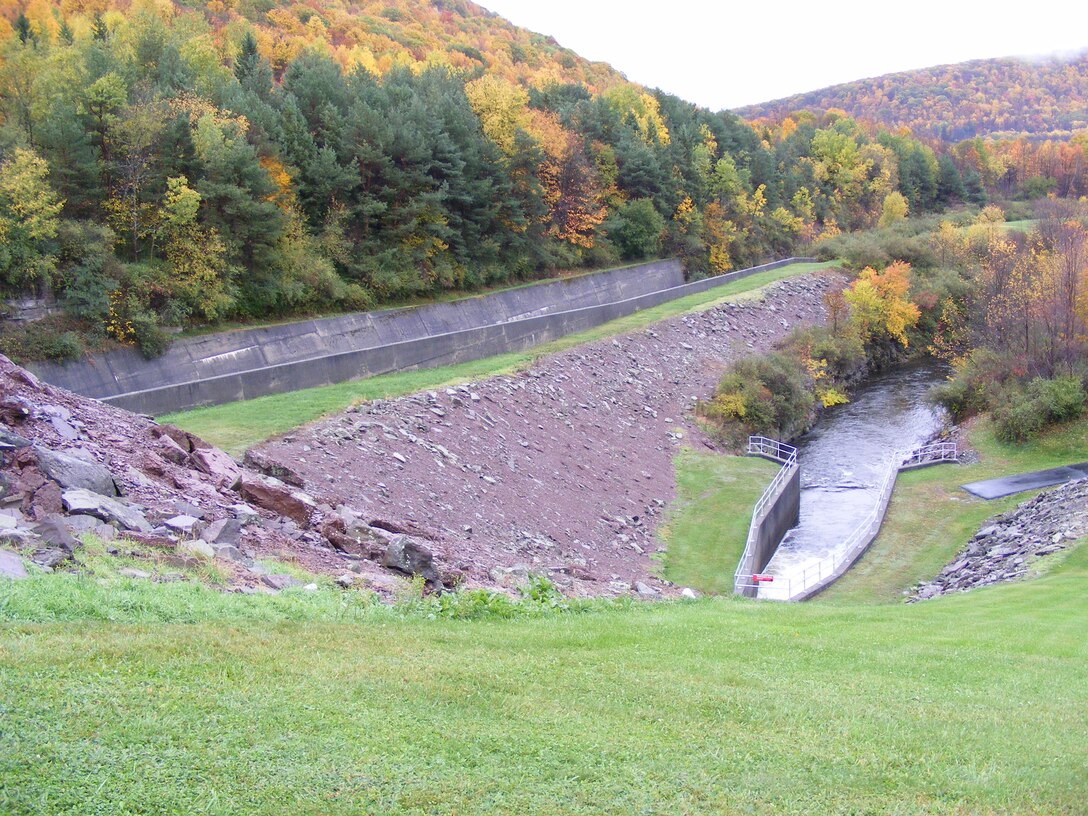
(930, 517)
(967, 704)
(707, 524)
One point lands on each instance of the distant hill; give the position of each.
(380, 35)
(1008, 97)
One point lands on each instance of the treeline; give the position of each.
(168, 166)
(1006, 309)
(1017, 339)
(953, 103)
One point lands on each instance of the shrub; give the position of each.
(975, 385)
(148, 336)
(770, 394)
(1021, 413)
(51, 338)
(636, 229)
(1017, 418)
(1061, 398)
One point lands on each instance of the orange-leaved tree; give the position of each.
(879, 303)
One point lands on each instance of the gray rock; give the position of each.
(75, 473)
(49, 557)
(196, 548)
(184, 508)
(19, 537)
(129, 572)
(54, 533)
(64, 429)
(88, 503)
(244, 513)
(224, 531)
(346, 580)
(228, 552)
(188, 525)
(644, 589)
(406, 555)
(11, 566)
(13, 439)
(279, 582)
(689, 593)
(8, 522)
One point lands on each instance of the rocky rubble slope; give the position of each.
(71, 465)
(1007, 545)
(564, 469)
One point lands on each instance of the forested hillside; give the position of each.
(1006, 97)
(165, 164)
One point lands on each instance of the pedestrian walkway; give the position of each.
(1008, 485)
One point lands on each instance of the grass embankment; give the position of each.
(966, 704)
(708, 522)
(1023, 225)
(239, 425)
(930, 518)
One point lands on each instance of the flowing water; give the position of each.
(843, 461)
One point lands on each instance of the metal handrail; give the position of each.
(787, 456)
(858, 540)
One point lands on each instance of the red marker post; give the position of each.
(762, 579)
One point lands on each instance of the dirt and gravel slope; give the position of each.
(564, 469)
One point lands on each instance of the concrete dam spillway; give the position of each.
(229, 366)
(842, 462)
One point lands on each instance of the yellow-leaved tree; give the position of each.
(195, 255)
(879, 303)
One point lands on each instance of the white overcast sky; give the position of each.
(724, 55)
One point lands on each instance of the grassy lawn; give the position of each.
(962, 705)
(239, 425)
(1024, 225)
(708, 522)
(930, 518)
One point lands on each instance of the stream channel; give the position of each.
(843, 460)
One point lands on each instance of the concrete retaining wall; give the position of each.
(259, 362)
(234, 352)
(782, 512)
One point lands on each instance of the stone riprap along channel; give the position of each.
(564, 469)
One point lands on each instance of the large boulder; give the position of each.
(405, 554)
(277, 470)
(75, 473)
(87, 503)
(218, 465)
(274, 495)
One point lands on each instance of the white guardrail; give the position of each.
(786, 455)
(745, 581)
